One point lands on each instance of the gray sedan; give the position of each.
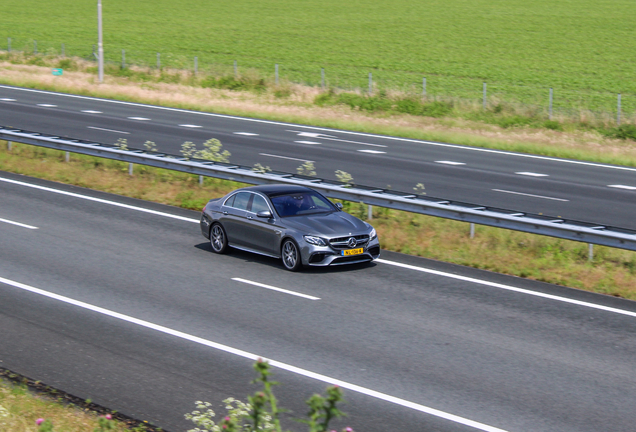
(294, 223)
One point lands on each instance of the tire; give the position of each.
(291, 255)
(218, 239)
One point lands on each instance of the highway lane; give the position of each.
(508, 359)
(569, 189)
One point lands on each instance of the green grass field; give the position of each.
(584, 49)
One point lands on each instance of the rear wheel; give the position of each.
(218, 239)
(291, 255)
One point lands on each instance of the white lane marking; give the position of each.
(450, 163)
(307, 142)
(139, 118)
(92, 112)
(190, 125)
(285, 157)
(422, 269)
(433, 143)
(47, 105)
(7, 100)
(17, 224)
(372, 151)
(622, 187)
(108, 130)
(273, 288)
(509, 288)
(99, 200)
(311, 134)
(246, 133)
(531, 174)
(531, 195)
(254, 357)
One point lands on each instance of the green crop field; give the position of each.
(584, 49)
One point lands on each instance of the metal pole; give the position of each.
(123, 59)
(100, 42)
(67, 157)
(9, 145)
(590, 252)
(322, 78)
(130, 169)
(472, 230)
(370, 83)
(550, 109)
(423, 86)
(276, 73)
(235, 69)
(196, 64)
(484, 97)
(200, 179)
(369, 212)
(618, 115)
(158, 61)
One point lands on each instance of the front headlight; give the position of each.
(372, 234)
(315, 240)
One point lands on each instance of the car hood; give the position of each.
(327, 224)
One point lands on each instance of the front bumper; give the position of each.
(322, 256)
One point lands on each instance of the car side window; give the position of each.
(230, 201)
(259, 204)
(241, 200)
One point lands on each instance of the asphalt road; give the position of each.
(596, 193)
(123, 302)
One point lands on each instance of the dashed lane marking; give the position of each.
(531, 174)
(10, 222)
(108, 130)
(273, 288)
(139, 118)
(450, 163)
(622, 187)
(531, 195)
(285, 157)
(372, 151)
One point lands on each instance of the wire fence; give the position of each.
(550, 101)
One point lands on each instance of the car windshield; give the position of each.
(302, 203)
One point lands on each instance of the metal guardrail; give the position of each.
(423, 204)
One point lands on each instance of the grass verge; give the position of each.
(613, 271)
(23, 401)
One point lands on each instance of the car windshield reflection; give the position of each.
(301, 204)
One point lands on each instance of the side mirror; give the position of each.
(266, 214)
(339, 206)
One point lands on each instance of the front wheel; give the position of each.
(291, 255)
(218, 239)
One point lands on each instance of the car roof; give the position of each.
(278, 189)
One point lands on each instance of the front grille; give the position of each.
(343, 242)
(351, 259)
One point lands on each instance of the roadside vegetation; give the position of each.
(613, 271)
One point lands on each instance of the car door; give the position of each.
(263, 233)
(233, 217)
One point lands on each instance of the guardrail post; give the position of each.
(201, 180)
(130, 169)
(590, 252)
(472, 230)
(67, 156)
(9, 145)
(369, 212)
(9, 45)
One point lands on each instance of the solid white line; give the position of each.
(7, 100)
(531, 195)
(307, 142)
(99, 200)
(622, 187)
(18, 224)
(433, 143)
(273, 288)
(531, 174)
(254, 357)
(139, 118)
(190, 126)
(284, 157)
(450, 163)
(371, 151)
(47, 105)
(108, 130)
(92, 112)
(508, 287)
(246, 133)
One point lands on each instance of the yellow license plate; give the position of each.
(352, 252)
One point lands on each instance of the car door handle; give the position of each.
(224, 212)
(250, 217)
